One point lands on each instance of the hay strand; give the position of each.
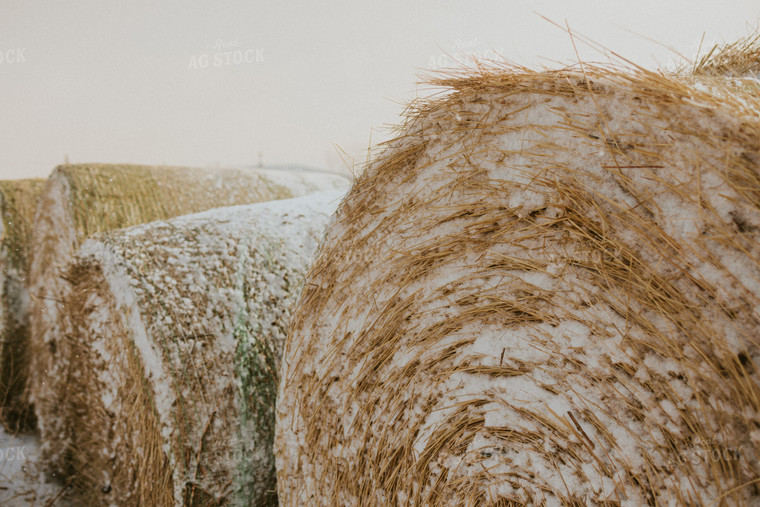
(736, 59)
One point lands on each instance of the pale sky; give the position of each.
(208, 83)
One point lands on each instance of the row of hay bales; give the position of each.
(151, 365)
(545, 291)
(78, 201)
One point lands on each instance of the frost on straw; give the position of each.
(168, 350)
(18, 199)
(544, 291)
(81, 200)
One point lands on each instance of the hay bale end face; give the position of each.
(545, 290)
(81, 200)
(18, 199)
(168, 352)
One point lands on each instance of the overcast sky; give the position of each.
(208, 83)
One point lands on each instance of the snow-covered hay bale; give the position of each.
(544, 290)
(167, 353)
(18, 199)
(81, 200)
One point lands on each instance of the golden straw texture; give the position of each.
(737, 59)
(18, 199)
(544, 291)
(167, 355)
(81, 200)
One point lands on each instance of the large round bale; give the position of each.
(543, 292)
(81, 200)
(18, 199)
(167, 353)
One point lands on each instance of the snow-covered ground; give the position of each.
(22, 481)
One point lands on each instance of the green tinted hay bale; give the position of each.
(18, 199)
(545, 291)
(81, 200)
(168, 353)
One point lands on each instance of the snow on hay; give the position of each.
(168, 350)
(545, 289)
(81, 200)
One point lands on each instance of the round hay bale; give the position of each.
(167, 354)
(18, 199)
(81, 200)
(545, 291)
